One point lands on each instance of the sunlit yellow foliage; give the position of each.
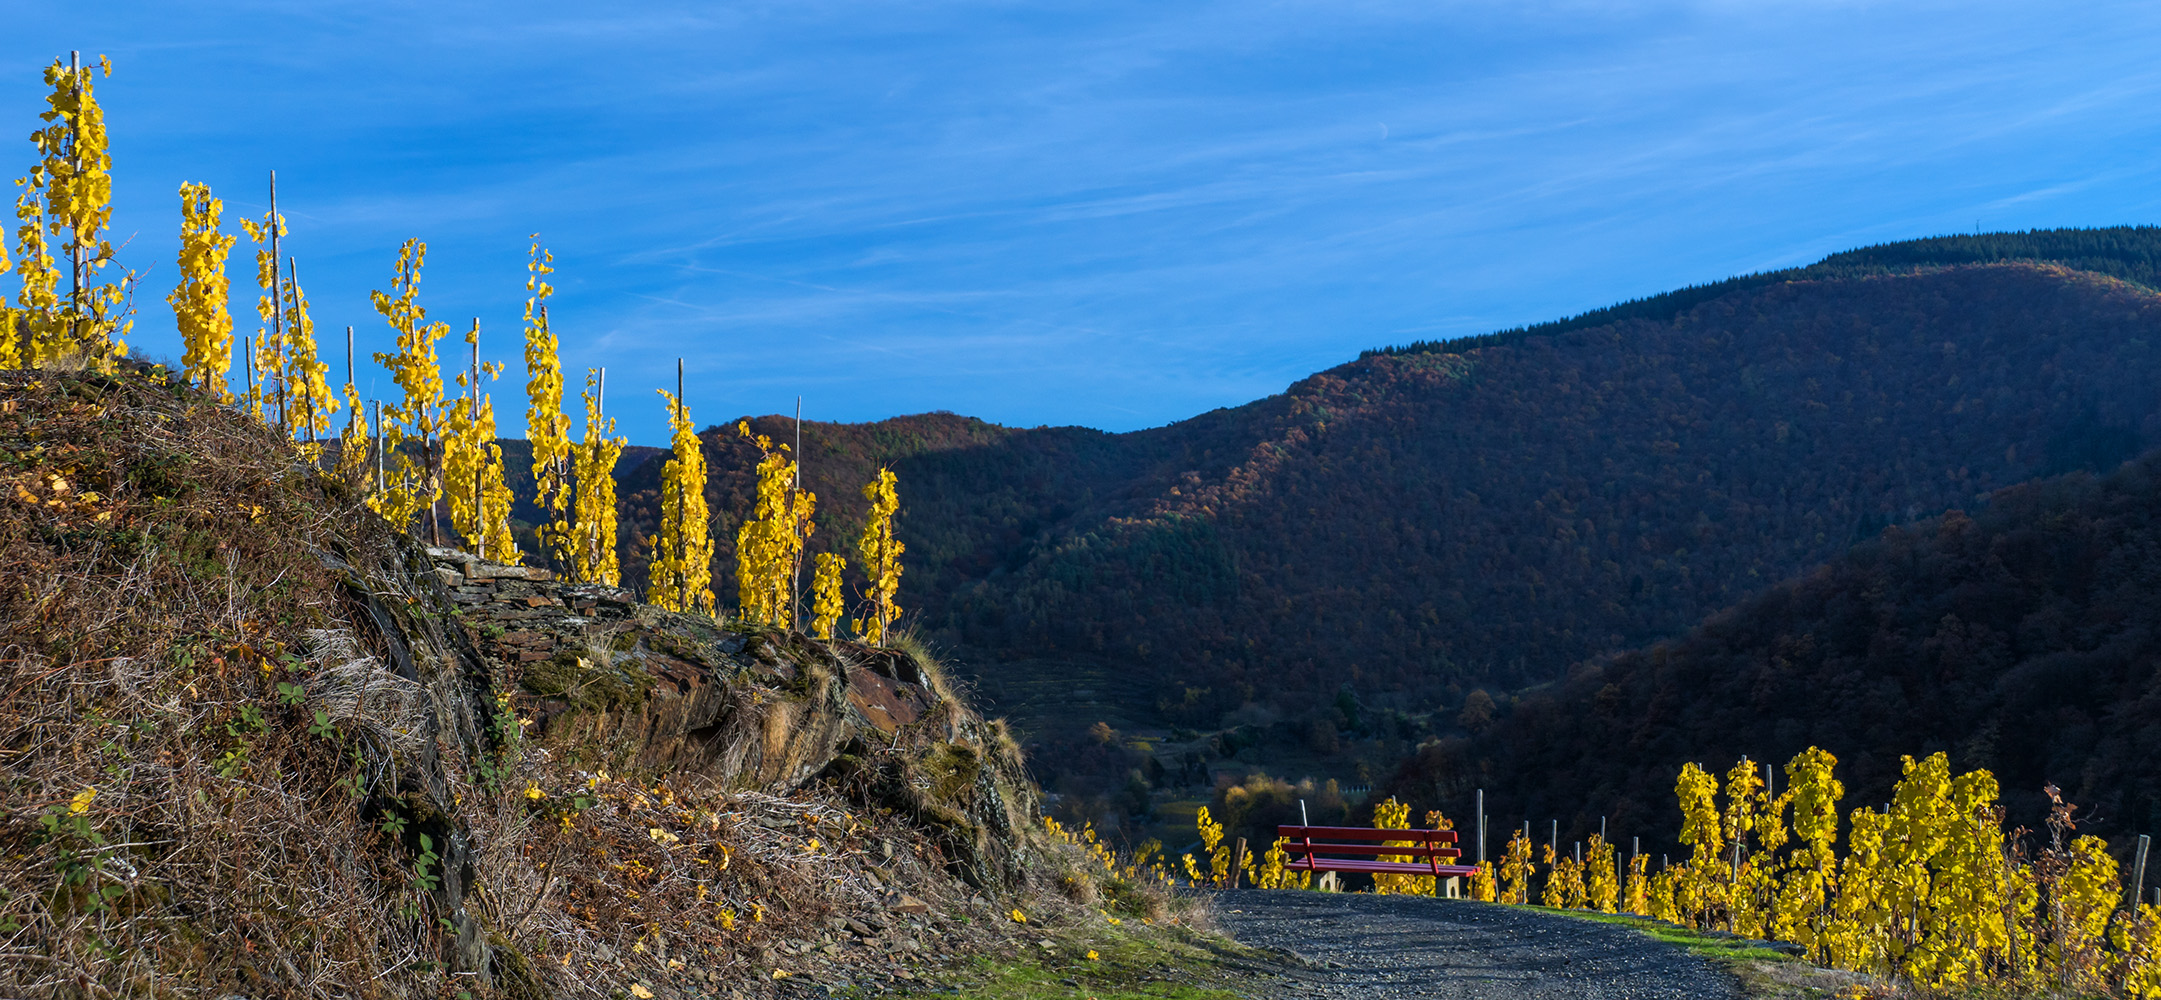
(2022, 889)
(312, 403)
(1661, 897)
(1636, 887)
(826, 606)
(1601, 876)
(2139, 941)
(292, 391)
(1699, 886)
(74, 185)
(1141, 863)
(769, 543)
(1858, 938)
(592, 557)
(1918, 829)
(10, 344)
(38, 322)
(1554, 892)
(1803, 911)
(1484, 887)
(1219, 855)
(546, 425)
(1939, 888)
(1929, 891)
(1967, 928)
(1273, 873)
(77, 162)
(1394, 815)
(681, 573)
(353, 442)
(881, 554)
(267, 400)
(2086, 896)
(417, 483)
(200, 299)
(1516, 870)
(479, 500)
(1745, 889)
(1815, 794)
(1564, 881)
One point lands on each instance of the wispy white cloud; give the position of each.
(1157, 209)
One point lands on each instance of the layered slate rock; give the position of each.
(631, 687)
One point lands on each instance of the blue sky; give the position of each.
(1104, 213)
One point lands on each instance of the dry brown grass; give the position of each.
(247, 748)
(167, 818)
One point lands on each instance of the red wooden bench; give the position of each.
(1431, 852)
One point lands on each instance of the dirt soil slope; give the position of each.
(255, 741)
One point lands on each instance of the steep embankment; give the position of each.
(253, 741)
(1423, 523)
(2024, 638)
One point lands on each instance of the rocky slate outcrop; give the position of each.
(628, 686)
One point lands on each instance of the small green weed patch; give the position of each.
(1704, 943)
(1127, 964)
(1763, 974)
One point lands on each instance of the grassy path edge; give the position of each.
(1764, 971)
(1184, 963)
(1098, 962)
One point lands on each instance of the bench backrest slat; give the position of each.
(1375, 850)
(1364, 833)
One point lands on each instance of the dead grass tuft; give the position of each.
(247, 747)
(166, 646)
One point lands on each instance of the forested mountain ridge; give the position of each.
(2131, 253)
(2023, 638)
(1420, 523)
(1489, 517)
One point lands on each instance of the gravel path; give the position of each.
(1385, 947)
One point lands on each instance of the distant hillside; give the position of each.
(518, 474)
(1416, 524)
(2131, 253)
(2024, 638)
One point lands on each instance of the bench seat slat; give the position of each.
(1380, 867)
(1413, 851)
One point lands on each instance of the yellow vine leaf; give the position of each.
(592, 556)
(681, 573)
(43, 329)
(68, 196)
(881, 553)
(480, 502)
(418, 481)
(769, 543)
(546, 426)
(199, 301)
(826, 606)
(311, 401)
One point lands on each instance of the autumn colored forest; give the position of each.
(2020, 638)
(1420, 524)
(1329, 575)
